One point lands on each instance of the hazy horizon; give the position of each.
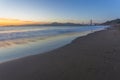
(19, 12)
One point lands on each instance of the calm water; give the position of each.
(17, 42)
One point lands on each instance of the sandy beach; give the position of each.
(92, 57)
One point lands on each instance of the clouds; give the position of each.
(8, 21)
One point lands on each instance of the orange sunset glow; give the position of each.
(8, 22)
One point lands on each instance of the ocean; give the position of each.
(22, 41)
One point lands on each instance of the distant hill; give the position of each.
(56, 24)
(62, 24)
(112, 22)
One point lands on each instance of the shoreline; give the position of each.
(91, 57)
(28, 47)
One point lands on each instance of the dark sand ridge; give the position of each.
(93, 57)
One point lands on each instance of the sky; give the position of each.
(60, 10)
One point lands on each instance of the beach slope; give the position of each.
(92, 57)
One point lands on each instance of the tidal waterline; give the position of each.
(40, 40)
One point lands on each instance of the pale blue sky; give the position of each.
(60, 10)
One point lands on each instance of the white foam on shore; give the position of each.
(19, 48)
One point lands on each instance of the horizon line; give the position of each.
(18, 22)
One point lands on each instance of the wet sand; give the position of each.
(92, 57)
